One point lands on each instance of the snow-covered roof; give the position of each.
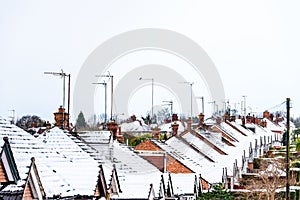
(274, 127)
(134, 126)
(184, 183)
(168, 127)
(186, 152)
(63, 167)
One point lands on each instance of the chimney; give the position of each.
(113, 127)
(243, 121)
(119, 131)
(156, 133)
(277, 118)
(189, 124)
(61, 109)
(174, 117)
(61, 118)
(226, 117)
(264, 122)
(218, 120)
(133, 118)
(48, 125)
(248, 119)
(250, 165)
(272, 117)
(233, 118)
(201, 119)
(266, 114)
(175, 128)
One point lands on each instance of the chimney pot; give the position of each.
(189, 124)
(113, 127)
(174, 117)
(156, 133)
(266, 114)
(233, 118)
(201, 119)
(250, 165)
(175, 128)
(243, 120)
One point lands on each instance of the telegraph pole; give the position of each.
(288, 149)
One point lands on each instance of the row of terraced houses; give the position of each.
(56, 164)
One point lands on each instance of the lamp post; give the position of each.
(105, 101)
(152, 84)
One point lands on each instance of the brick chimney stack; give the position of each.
(201, 119)
(174, 117)
(113, 127)
(250, 165)
(61, 118)
(175, 127)
(233, 118)
(266, 114)
(218, 120)
(226, 117)
(189, 124)
(243, 121)
(156, 133)
(264, 122)
(271, 117)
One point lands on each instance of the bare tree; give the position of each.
(270, 177)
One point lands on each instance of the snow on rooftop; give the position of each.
(136, 186)
(135, 126)
(58, 159)
(192, 159)
(202, 146)
(168, 127)
(274, 127)
(183, 183)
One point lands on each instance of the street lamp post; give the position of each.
(152, 84)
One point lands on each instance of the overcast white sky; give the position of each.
(254, 45)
